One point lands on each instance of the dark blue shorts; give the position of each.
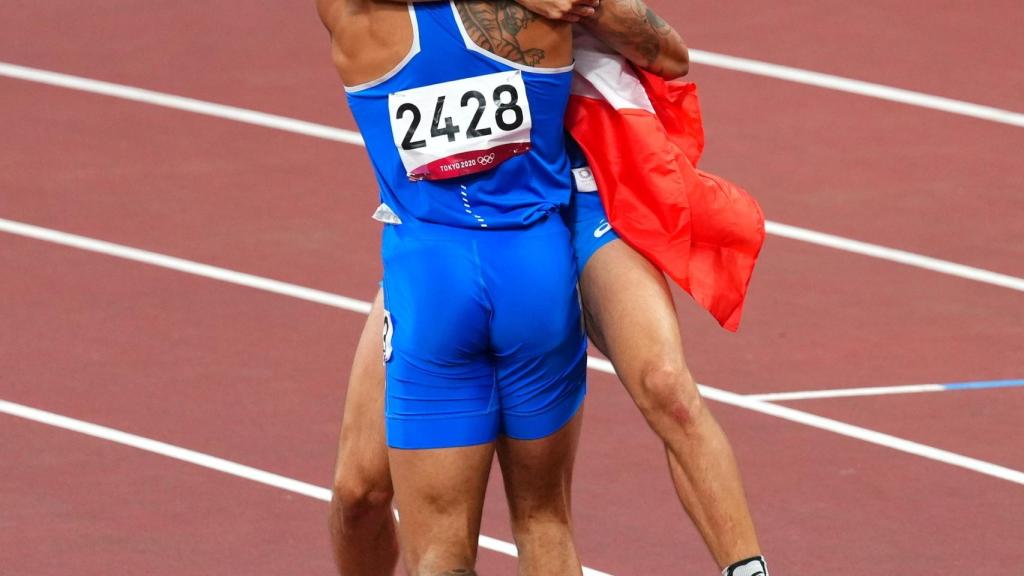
(484, 334)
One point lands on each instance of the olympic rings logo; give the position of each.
(485, 160)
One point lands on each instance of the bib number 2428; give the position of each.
(507, 116)
(474, 125)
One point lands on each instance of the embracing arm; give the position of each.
(632, 29)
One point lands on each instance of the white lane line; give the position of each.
(350, 137)
(847, 392)
(181, 265)
(895, 255)
(866, 435)
(599, 364)
(180, 103)
(887, 390)
(704, 57)
(164, 449)
(208, 461)
(859, 87)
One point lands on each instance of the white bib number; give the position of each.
(461, 127)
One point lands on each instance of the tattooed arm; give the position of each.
(632, 29)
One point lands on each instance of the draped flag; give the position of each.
(643, 138)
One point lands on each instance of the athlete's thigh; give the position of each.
(362, 451)
(440, 494)
(630, 308)
(538, 473)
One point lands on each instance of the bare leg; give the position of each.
(632, 318)
(440, 497)
(538, 485)
(361, 523)
(363, 531)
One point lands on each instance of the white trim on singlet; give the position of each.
(413, 51)
(471, 45)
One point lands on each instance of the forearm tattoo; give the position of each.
(495, 27)
(634, 26)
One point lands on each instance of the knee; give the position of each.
(525, 517)
(549, 511)
(354, 500)
(668, 397)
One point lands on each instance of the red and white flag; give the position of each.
(643, 138)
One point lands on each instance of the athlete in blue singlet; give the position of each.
(484, 334)
(479, 280)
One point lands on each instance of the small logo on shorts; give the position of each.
(486, 159)
(603, 228)
(585, 181)
(389, 332)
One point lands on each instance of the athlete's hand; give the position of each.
(567, 10)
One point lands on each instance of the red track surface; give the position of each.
(259, 378)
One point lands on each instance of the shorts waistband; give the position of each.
(550, 224)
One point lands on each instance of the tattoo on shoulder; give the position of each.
(495, 27)
(633, 24)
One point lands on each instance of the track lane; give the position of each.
(817, 320)
(270, 57)
(272, 203)
(749, 402)
(959, 421)
(899, 516)
(76, 505)
(876, 171)
(628, 463)
(935, 47)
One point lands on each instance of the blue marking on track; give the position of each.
(983, 385)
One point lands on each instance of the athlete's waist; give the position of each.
(413, 229)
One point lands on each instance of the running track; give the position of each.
(257, 377)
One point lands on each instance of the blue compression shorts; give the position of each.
(586, 216)
(484, 334)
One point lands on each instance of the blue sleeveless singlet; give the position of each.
(461, 137)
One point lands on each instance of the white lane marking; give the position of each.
(859, 87)
(895, 255)
(180, 103)
(164, 449)
(847, 392)
(599, 364)
(781, 230)
(866, 435)
(887, 390)
(181, 265)
(350, 137)
(713, 59)
(207, 461)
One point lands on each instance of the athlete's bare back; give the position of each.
(371, 37)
